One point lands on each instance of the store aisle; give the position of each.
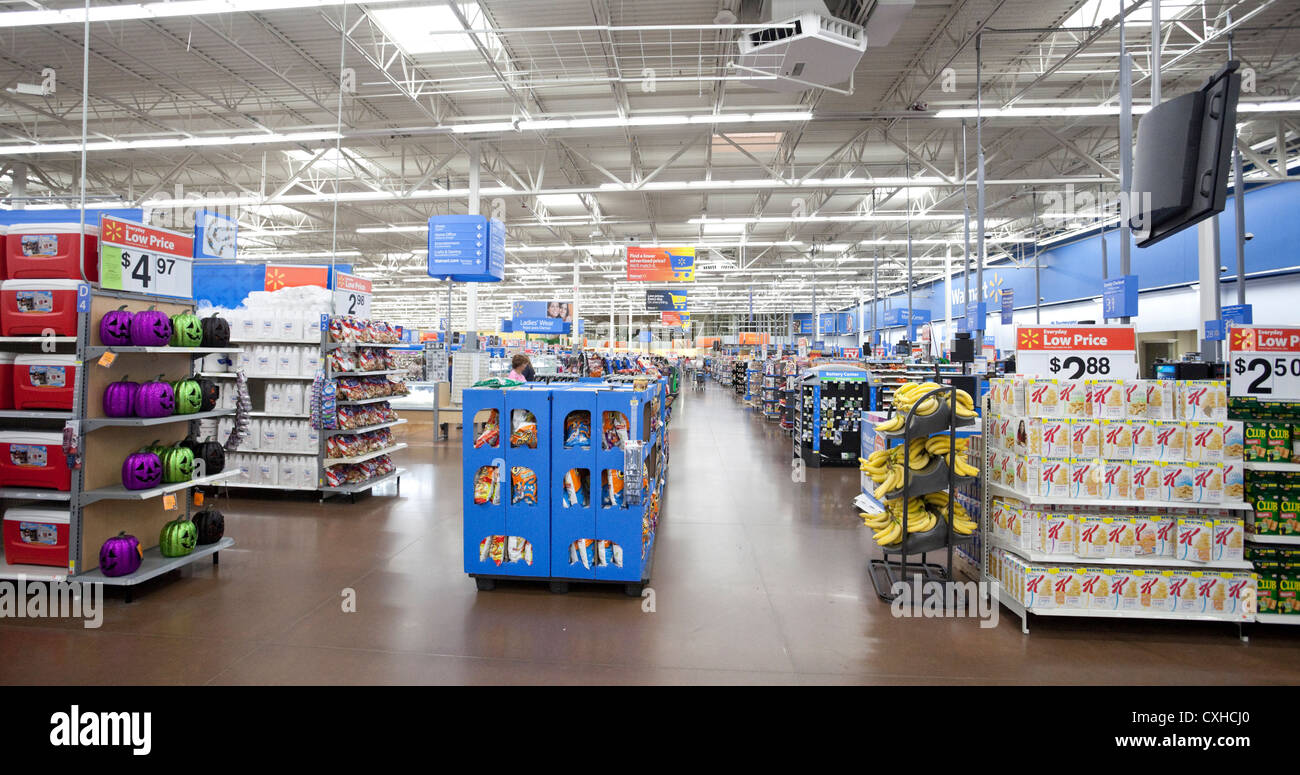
(758, 579)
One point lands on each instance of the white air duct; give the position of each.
(802, 46)
(886, 19)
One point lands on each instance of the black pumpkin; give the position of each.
(211, 392)
(216, 332)
(210, 452)
(211, 525)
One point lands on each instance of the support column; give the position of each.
(471, 293)
(1207, 253)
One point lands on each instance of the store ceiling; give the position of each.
(583, 152)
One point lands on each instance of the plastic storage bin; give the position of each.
(7, 380)
(44, 381)
(30, 307)
(36, 536)
(34, 459)
(50, 250)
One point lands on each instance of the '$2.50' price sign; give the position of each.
(1076, 352)
(1264, 362)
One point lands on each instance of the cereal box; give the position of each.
(1085, 478)
(1146, 482)
(1095, 588)
(995, 396)
(1011, 526)
(1162, 400)
(1054, 478)
(1185, 588)
(1120, 537)
(995, 475)
(1067, 588)
(1234, 440)
(1026, 474)
(1006, 465)
(1056, 437)
(1012, 400)
(1090, 536)
(997, 511)
(1116, 480)
(1167, 536)
(1234, 482)
(1123, 590)
(1073, 395)
(1135, 399)
(1204, 400)
(1170, 440)
(1146, 528)
(1242, 595)
(1057, 530)
(1038, 587)
(1116, 440)
(1030, 537)
(1085, 439)
(1212, 589)
(1043, 398)
(1156, 593)
(1195, 539)
(1175, 482)
(1207, 483)
(1204, 442)
(1025, 436)
(1107, 397)
(1143, 433)
(1229, 537)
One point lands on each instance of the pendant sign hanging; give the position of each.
(143, 259)
(352, 295)
(1264, 362)
(1077, 352)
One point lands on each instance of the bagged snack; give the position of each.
(498, 549)
(515, 548)
(485, 485)
(611, 489)
(524, 433)
(577, 430)
(484, 547)
(491, 431)
(615, 430)
(577, 489)
(528, 552)
(523, 485)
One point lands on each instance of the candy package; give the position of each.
(485, 486)
(615, 429)
(611, 489)
(523, 429)
(577, 488)
(523, 485)
(491, 430)
(577, 430)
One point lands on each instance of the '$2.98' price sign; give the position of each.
(1264, 362)
(1076, 352)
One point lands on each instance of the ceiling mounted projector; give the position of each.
(801, 46)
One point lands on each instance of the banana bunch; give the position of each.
(918, 456)
(965, 407)
(888, 526)
(892, 480)
(941, 446)
(877, 464)
(908, 394)
(961, 521)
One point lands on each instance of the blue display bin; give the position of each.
(529, 520)
(573, 522)
(484, 520)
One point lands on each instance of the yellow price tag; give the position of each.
(107, 359)
(169, 502)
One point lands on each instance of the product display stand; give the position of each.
(830, 403)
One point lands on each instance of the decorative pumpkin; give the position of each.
(156, 447)
(211, 526)
(120, 555)
(151, 328)
(178, 538)
(211, 394)
(115, 327)
(119, 398)
(155, 399)
(188, 396)
(187, 331)
(210, 452)
(141, 471)
(177, 464)
(216, 332)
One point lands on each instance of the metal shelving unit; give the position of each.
(363, 429)
(145, 422)
(1037, 500)
(334, 461)
(120, 493)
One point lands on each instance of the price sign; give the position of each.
(143, 259)
(1077, 352)
(1264, 362)
(352, 295)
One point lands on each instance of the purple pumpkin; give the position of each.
(155, 399)
(115, 327)
(119, 398)
(120, 555)
(151, 328)
(141, 471)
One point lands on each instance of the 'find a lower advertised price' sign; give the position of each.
(144, 259)
(1077, 352)
(1264, 362)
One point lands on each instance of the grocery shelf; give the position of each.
(1019, 608)
(334, 461)
(232, 375)
(144, 422)
(309, 342)
(1144, 561)
(154, 564)
(364, 428)
(247, 451)
(286, 488)
(1277, 618)
(120, 493)
(278, 414)
(336, 345)
(33, 494)
(36, 339)
(1260, 466)
(381, 373)
(1037, 500)
(10, 572)
(366, 485)
(361, 401)
(34, 414)
(98, 350)
(1282, 540)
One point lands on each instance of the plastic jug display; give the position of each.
(309, 476)
(269, 438)
(254, 435)
(313, 438)
(247, 328)
(266, 324)
(291, 326)
(289, 471)
(286, 362)
(263, 366)
(310, 361)
(266, 470)
(244, 361)
(293, 398)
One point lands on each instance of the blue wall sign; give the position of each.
(1120, 297)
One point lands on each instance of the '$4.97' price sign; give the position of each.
(1264, 362)
(1076, 352)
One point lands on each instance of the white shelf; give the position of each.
(278, 414)
(34, 494)
(337, 345)
(1252, 466)
(376, 400)
(232, 375)
(10, 572)
(98, 350)
(144, 422)
(1281, 540)
(336, 461)
(1019, 608)
(1145, 561)
(251, 486)
(244, 451)
(1277, 618)
(35, 414)
(154, 564)
(382, 373)
(1036, 500)
(37, 340)
(310, 342)
(364, 429)
(366, 485)
(120, 493)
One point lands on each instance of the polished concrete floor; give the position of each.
(757, 579)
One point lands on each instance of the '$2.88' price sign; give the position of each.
(1264, 363)
(1076, 352)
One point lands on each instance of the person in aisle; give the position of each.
(519, 368)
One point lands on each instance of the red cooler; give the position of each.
(7, 380)
(34, 459)
(30, 307)
(36, 536)
(44, 381)
(50, 250)
(4, 248)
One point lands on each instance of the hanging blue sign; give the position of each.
(1215, 330)
(1120, 297)
(803, 323)
(976, 313)
(665, 300)
(1241, 314)
(540, 317)
(1008, 305)
(467, 248)
(898, 317)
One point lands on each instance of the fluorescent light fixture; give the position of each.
(171, 142)
(274, 256)
(392, 229)
(561, 201)
(433, 28)
(163, 10)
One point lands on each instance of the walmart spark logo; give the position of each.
(113, 231)
(275, 279)
(1028, 338)
(993, 288)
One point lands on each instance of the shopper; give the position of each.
(519, 368)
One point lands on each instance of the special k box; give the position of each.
(1022, 435)
(1146, 530)
(1241, 593)
(995, 395)
(1073, 397)
(1170, 440)
(1116, 439)
(1123, 590)
(997, 513)
(1135, 399)
(1007, 466)
(1012, 399)
(1107, 399)
(1120, 537)
(1026, 474)
(1116, 480)
(1234, 440)
(1205, 442)
(1228, 537)
(1146, 482)
(1006, 430)
(1053, 478)
(1167, 536)
(1207, 483)
(1056, 437)
(1203, 400)
(1162, 400)
(1195, 539)
(1039, 590)
(1234, 481)
(1011, 526)
(1030, 528)
(1043, 398)
(1090, 538)
(1187, 591)
(1143, 433)
(1095, 588)
(995, 475)
(1175, 482)
(1057, 531)
(1085, 478)
(993, 431)
(1067, 588)
(1154, 593)
(1085, 438)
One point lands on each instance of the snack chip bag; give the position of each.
(515, 548)
(611, 489)
(498, 549)
(523, 485)
(577, 489)
(485, 485)
(491, 431)
(583, 550)
(577, 430)
(615, 427)
(523, 432)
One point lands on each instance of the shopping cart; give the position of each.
(699, 379)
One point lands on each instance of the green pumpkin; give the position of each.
(156, 448)
(189, 396)
(187, 330)
(178, 538)
(178, 464)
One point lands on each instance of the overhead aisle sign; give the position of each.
(467, 248)
(1264, 362)
(665, 300)
(661, 264)
(1077, 352)
(144, 259)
